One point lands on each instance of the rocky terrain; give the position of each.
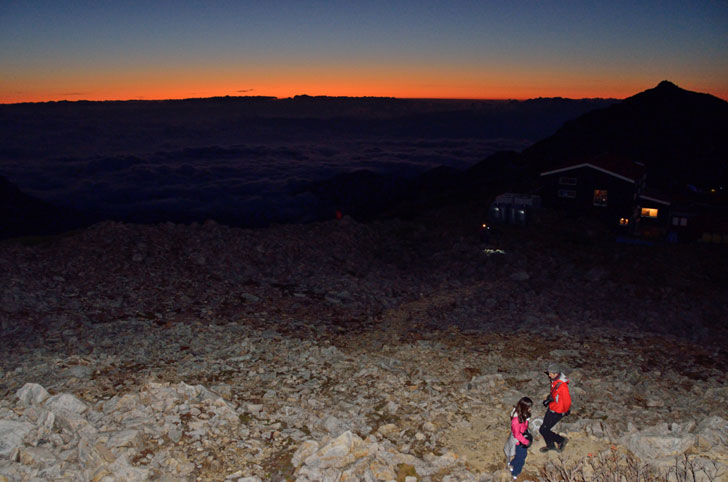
(346, 351)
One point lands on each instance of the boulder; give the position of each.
(11, 436)
(32, 394)
(657, 444)
(65, 402)
(714, 430)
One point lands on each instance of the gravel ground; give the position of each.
(207, 352)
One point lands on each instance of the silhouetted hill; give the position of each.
(21, 214)
(678, 134)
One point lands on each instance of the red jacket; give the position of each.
(560, 395)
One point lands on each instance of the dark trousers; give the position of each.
(549, 420)
(519, 459)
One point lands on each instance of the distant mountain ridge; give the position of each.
(679, 135)
(83, 128)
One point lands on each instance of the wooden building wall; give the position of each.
(620, 193)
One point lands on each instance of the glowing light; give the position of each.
(649, 213)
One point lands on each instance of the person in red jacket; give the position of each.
(558, 405)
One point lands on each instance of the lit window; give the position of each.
(567, 193)
(649, 213)
(567, 181)
(600, 197)
(623, 221)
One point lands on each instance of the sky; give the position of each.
(509, 49)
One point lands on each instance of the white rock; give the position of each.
(334, 426)
(34, 456)
(124, 471)
(254, 408)
(11, 435)
(66, 402)
(388, 430)
(651, 446)
(335, 453)
(486, 381)
(32, 394)
(125, 438)
(307, 448)
(715, 430)
(72, 421)
(89, 456)
(80, 371)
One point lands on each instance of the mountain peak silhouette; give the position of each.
(678, 134)
(667, 85)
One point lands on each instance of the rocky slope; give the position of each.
(347, 351)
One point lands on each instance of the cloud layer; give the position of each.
(250, 182)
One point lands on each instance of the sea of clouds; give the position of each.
(250, 161)
(246, 184)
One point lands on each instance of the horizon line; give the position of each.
(272, 97)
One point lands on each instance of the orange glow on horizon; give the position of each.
(161, 89)
(100, 51)
(388, 79)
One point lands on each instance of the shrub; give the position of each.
(615, 466)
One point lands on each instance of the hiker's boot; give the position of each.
(563, 444)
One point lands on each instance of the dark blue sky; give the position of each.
(455, 49)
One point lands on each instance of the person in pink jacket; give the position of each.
(519, 431)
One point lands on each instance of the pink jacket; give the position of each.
(517, 429)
